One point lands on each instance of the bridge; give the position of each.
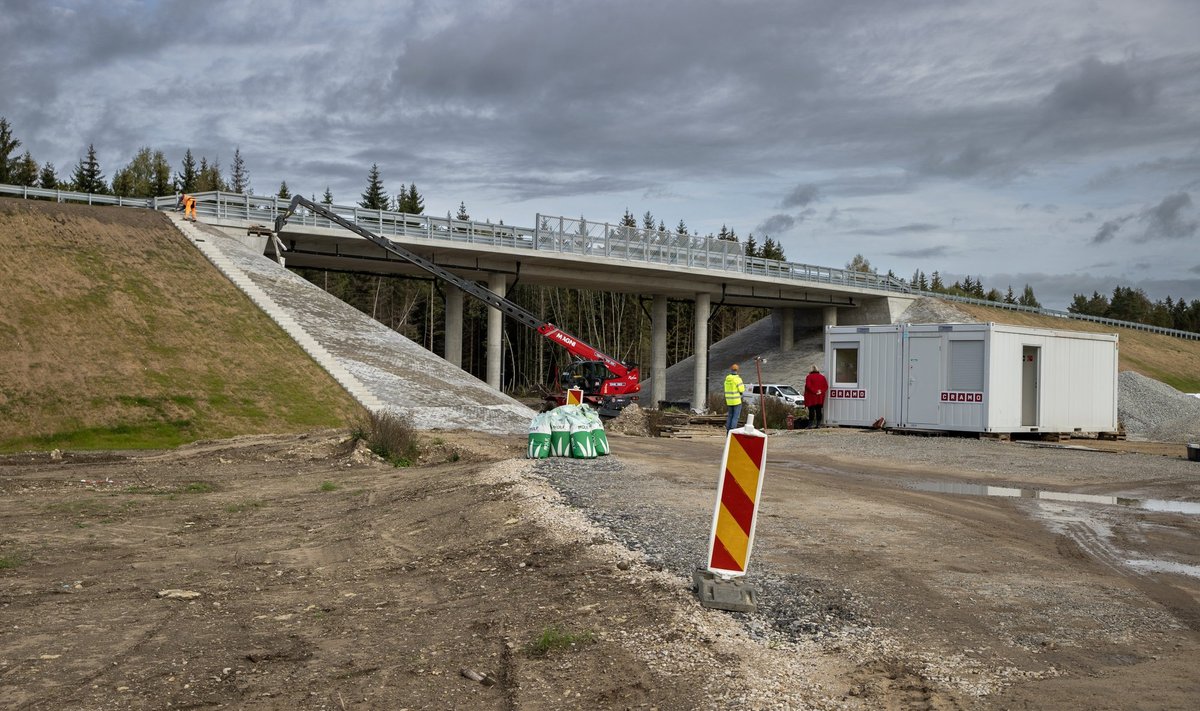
(561, 251)
(574, 253)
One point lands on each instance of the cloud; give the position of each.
(1099, 88)
(1167, 221)
(924, 253)
(1195, 269)
(969, 162)
(776, 224)
(801, 196)
(1109, 229)
(913, 228)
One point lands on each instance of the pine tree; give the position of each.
(628, 220)
(284, 193)
(375, 197)
(416, 203)
(185, 180)
(8, 144)
(922, 281)
(48, 178)
(327, 198)
(209, 176)
(752, 246)
(24, 171)
(916, 277)
(239, 177)
(462, 212)
(648, 220)
(993, 295)
(87, 177)
(1027, 298)
(681, 228)
(1009, 298)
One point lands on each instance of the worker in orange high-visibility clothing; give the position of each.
(188, 203)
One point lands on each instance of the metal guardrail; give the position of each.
(561, 234)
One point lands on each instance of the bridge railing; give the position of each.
(561, 234)
(579, 236)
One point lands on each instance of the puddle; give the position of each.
(947, 487)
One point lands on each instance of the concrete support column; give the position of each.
(700, 382)
(787, 320)
(658, 350)
(495, 333)
(454, 325)
(830, 316)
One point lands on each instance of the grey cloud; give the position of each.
(914, 228)
(1101, 88)
(1195, 269)
(924, 253)
(802, 195)
(1166, 220)
(1186, 167)
(1086, 217)
(1109, 229)
(969, 162)
(776, 224)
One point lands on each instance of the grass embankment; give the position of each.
(1174, 361)
(115, 333)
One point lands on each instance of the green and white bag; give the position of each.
(560, 434)
(581, 439)
(599, 438)
(539, 437)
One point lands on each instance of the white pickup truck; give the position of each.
(783, 393)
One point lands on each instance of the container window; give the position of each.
(845, 364)
(966, 366)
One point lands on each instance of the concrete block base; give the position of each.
(719, 593)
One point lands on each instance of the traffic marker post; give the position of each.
(575, 396)
(731, 539)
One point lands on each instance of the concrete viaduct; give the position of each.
(572, 253)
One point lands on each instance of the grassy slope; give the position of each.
(116, 333)
(1174, 361)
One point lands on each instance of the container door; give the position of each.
(924, 380)
(1030, 357)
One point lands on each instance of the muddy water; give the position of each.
(1161, 505)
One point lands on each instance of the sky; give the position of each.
(1049, 143)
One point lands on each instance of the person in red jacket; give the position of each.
(815, 387)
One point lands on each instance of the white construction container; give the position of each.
(971, 377)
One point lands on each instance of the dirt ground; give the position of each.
(329, 580)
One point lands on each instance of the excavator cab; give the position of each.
(587, 375)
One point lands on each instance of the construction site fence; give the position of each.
(576, 236)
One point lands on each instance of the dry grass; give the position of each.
(116, 333)
(1174, 361)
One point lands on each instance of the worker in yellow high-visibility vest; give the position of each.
(733, 397)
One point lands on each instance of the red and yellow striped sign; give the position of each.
(742, 471)
(575, 396)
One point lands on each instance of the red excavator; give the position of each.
(608, 384)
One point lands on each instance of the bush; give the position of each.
(388, 435)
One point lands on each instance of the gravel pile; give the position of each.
(1156, 411)
(789, 606)
(632, 421)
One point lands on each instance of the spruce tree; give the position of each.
(147, 175)
(239, 177)
(284, 193)
(327, 198)
(375, 198)
(922, 281)
(935, 283)
(648, 220)
(8, 144)
(48, 178)
(24, 171)
(415, 203)
(185, 180)
(681, 228)
(628, 220)
(87, 177)
(1027, 298)
(752, 246)
(462, 212)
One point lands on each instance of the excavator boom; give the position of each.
(616, 391)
